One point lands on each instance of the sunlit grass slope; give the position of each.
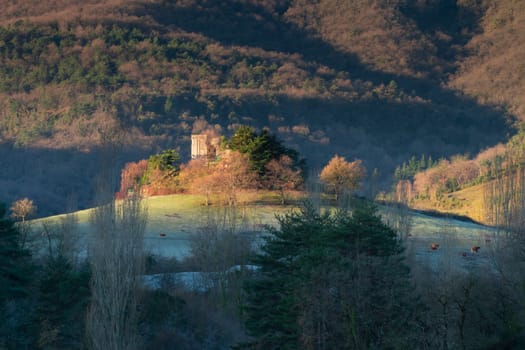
(189, 210)
(173, 219)
(466, 202)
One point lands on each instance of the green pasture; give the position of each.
(173, 219)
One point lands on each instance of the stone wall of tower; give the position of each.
(199, 146)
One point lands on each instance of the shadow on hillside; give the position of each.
(233, 22)
(458, 22)
(239, 23)
(383, 133)
(56, 180)
(450, 25)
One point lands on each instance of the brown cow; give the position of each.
(434, 246)
(474, 249)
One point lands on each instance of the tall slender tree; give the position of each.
(116, 259)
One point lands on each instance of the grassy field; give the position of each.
(173, 219)
(466, 202)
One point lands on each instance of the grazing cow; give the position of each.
(162, 234)
(434, 246)
(474, 249)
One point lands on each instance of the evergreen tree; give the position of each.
(15, 266)
(331, 281)
(398, 175)
(422, 163)
(430, 163)
(261, 148)
(167, 161)
(272, 311)
(16, 272)
(413, 165)
(62, 304)
(242, 140)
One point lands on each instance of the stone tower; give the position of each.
(204, 146)
(199, 146)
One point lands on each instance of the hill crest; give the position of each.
(365, 81)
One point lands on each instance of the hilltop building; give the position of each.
(204, 146)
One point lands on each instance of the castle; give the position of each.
(204, 146)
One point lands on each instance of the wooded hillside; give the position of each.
(377, 80)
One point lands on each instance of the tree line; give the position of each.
(248, 160)
(428, 179)
(333, 279)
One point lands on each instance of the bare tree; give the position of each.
(68, 237)
(283, 176)
(233, 174)
(116, 258)
(197, 177)
(63, 237)
(504, 197)
(21, 210)
(220, 250)
(504, 204)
